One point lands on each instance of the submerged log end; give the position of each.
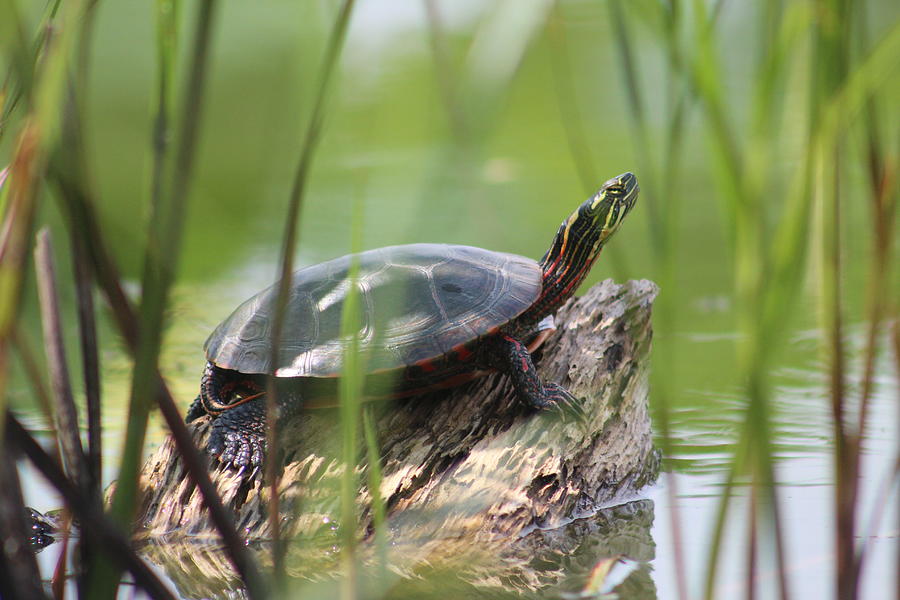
(468, 461)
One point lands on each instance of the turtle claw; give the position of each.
(238, 437)
(239, 450)
(568, 406)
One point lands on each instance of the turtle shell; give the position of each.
(417, 303)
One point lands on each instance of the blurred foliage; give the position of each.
(764, 135)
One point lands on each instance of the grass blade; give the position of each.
(94, 524)
(350, 389)
(289, 244)
(77, 205)
(16, 228)
(66, 414)
(90, 362)
(160, 261)
(19, 576)
(445, 73)
(379, 510)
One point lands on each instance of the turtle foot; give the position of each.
(559, 398)
(238, 436)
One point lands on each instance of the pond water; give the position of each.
(506, 186)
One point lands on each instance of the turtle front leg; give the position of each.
(510, 356)
(195, 411)
(238, 429)
(238, 435)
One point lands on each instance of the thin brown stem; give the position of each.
(94, 523)
(78, 206)
(845, 445)
(19, 575)
(65, 413)
(883, 209)
(90, 361)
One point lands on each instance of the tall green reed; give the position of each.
(350, 391)
(769, 261)
(19, 194)
(165, 222)
(41, 81)
(165, 226)
(289, 243)
(661, 180)
(52, 107)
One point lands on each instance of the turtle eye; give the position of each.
(616, 189)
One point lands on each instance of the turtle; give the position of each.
(430, 316)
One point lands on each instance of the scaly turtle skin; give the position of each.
(431, 315)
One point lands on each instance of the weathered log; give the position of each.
(547, 563)
(470, 463)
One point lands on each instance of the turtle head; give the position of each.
(583, 234)
(580, 239)
(604, 211)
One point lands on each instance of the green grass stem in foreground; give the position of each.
(161, 258)
(769, 261)
(350, 390)
(354, 423)
(166, 221)
(663, 174)
(288, 247)
(98, 527)
(379, 516)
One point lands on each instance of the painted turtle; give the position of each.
(432, 316)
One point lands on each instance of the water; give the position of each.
(388, 143)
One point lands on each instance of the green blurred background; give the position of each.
(490, 141)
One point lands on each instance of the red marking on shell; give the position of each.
(462, 353)
(426, 365)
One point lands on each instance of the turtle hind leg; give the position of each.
(238, 435)
(510, 356)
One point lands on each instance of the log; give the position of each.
(470, 464)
